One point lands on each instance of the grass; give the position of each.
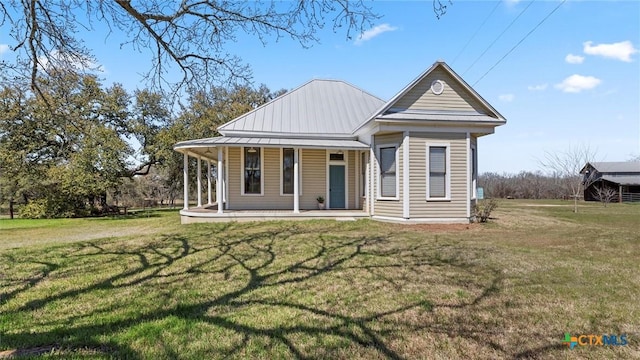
(145, 287)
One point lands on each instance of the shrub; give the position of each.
(35, 209)
(483, 208)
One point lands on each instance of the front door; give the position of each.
(336, 187)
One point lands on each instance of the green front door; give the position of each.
(336, 187)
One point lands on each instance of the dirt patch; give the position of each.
(529, 218)
(50, 349)
(8, 354)
(443, 227)
(548, 205)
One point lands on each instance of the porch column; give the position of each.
(219, 196)
(199, 182)
(185, 180)
(620, 194)
(209, 202)
(296, 186)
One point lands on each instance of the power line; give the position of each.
(499, 36)
(520, 42)
(476, 33)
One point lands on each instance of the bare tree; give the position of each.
(605, 194)
(566, 166)
(191, 36)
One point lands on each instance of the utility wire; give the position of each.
(520, 42)
(499, 36)
(476, 33)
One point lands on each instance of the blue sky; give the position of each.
(573, 81)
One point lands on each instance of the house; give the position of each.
(411, 159)
(622, 177)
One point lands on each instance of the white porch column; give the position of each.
(199, 176)
(296, 180)
(185, 174)
(209, 202)
(219, 187)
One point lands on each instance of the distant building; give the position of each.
(621, 176)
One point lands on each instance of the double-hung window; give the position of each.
(388, 171)
(438, 172)
(252, 171)
(287, 171)
(363, 174)
(474, 172)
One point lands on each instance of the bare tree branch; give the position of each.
(190, 36)
(566, 166)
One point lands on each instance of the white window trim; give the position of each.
(447, 181)
(261, 171)
(299, 171)
(474, 171)
(379, 173)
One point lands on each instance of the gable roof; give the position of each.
(326, 108)
(615, 166)
(389, 112)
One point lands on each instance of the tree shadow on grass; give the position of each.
(256, 263)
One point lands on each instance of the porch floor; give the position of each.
(209, 213)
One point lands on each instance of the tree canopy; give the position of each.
(63, 152)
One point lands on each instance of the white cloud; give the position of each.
(506, 97)
(574, 59)
(576, 83)
(540, 87)
(373, 32)
(3, 48)
(66, 60)
(621, 50)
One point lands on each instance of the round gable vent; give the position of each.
(437, 87)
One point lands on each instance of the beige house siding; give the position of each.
(390, 208)
(312, 176)
(454, 97)
(457, 206)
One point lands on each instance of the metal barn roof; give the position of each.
(617, 166)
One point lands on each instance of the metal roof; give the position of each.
(617, 166)
(271, 142)
(623, 180)
(318, 108)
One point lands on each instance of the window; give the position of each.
(388, 178)
(363, 174)
(474, 172)
(252, 171)
(287, 171)
(438, 172)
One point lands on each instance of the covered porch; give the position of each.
(227, 197)
(209, 213)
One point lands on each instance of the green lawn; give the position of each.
(145, 287)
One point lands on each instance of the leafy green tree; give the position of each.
(199, 117)
(67, 147)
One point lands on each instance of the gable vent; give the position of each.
(437, 87)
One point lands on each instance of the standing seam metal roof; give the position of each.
(617, 166)
(319, 107)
